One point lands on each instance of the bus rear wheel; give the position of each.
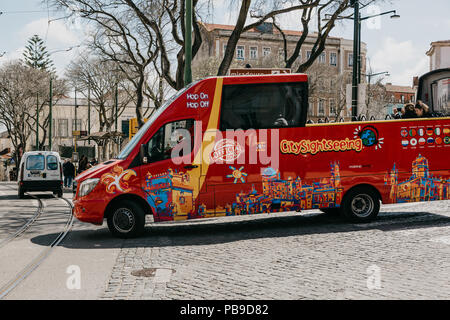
(361, 204)
(126, 220)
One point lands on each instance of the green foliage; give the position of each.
(36, 55)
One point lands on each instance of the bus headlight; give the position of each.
(87, 186)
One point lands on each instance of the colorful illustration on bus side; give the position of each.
(169, 194)
(117, 180)
(421, 186)
(237, 174)
(280, 195)
(369, 136)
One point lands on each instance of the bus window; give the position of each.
(434, 90)
(167, 137)
(264, 106)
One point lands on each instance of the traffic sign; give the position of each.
(133, 127)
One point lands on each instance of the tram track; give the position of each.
(41, 257)
(28, 224)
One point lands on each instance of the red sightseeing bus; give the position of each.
(239, 145)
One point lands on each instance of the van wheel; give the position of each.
(126, 220)
(21, 193)
(361, 204)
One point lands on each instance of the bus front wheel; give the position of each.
(126, 220)
(21, 193)
(361, 204)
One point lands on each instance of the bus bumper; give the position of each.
(89, 211)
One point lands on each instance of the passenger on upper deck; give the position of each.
(398, 113)
(409, 111)
(422, 110)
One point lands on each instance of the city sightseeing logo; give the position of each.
(369, 136)
(324, 145)
(226, 150)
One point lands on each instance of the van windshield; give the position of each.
(137, 137)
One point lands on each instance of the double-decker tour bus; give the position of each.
(239, 145)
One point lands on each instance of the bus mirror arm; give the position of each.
(142, 154)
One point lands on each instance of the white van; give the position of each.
(40, 171)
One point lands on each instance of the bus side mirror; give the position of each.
(142, 154)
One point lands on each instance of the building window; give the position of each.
(321, 107)
(240, 52)
(311, 108)
(63, 127)
(76, 125)
(266, 51)
(253, 53)
(350, 59)
(126, 128)
(322, 57)
(403, 99)
(332, 108)
(333, 59)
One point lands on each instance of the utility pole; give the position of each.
(76, 126)
(89, 114)
(188, 43)
(37, 121)
(116, 102)
(355, 3)
(50, 115)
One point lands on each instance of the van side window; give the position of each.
(35, 162)
(264, 106)
(52, 163)
(167, 137)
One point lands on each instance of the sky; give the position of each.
(398, 46)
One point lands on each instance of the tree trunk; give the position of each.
(232, 41)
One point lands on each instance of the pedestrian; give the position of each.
(69, 173)
(83, 163)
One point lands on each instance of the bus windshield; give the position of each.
(137, 137)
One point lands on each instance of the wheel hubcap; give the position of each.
(362, 205)
(123, 220)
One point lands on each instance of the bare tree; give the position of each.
(101, 79)
(142, 34)
(24, 92)
(376, 100)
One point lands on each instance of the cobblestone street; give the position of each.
(403, 255)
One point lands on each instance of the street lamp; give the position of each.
(371, 75)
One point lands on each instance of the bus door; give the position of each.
(168, 182)
(246, 166)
